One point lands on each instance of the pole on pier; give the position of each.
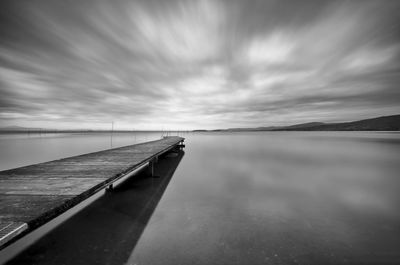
(112, 131)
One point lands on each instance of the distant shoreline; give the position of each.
(45, 131)
(384, 123)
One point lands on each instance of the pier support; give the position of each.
(150, 168)
(110, 188)
(181, 145)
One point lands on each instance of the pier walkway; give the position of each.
(32, 195)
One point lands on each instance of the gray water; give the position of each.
(23, 149)
(238, 198)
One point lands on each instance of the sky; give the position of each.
(182, 64)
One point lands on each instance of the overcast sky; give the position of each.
(197, 64)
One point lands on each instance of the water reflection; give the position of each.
(106, 231)
(287, 198)
(252, 198)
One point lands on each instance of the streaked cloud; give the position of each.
(369, 59)
(197, 64)
(273, 49)
(190, 32)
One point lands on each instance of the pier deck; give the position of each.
(32, 195)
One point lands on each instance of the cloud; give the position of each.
(369, 59)
(196, 64)
(273, 49)
(190, 33)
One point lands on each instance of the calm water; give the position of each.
(23, 149)
(235, 198)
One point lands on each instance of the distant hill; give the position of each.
(301, 126)
(386, 123)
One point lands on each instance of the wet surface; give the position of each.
(248, 198)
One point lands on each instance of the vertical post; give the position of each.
(112, 131)
(151, 168)
(110, 188)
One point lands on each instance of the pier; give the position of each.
(33, 195)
